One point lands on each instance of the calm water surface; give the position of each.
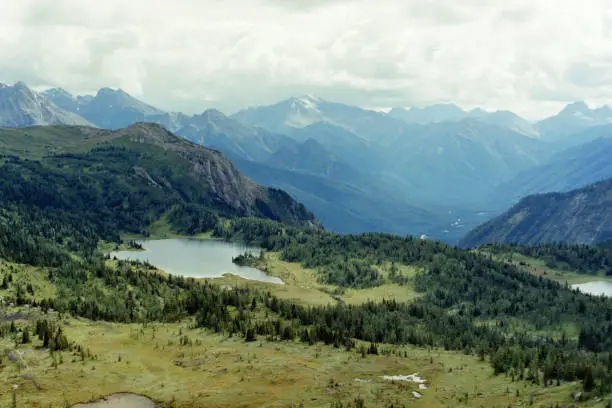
(196, 258)
(596, 288)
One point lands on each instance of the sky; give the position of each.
(529, 56)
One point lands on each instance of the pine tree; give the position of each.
(250, 335)
(25, 336)
(588, 384)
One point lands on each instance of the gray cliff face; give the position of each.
(580, 216)
(22, 107)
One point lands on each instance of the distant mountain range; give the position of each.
(295, 113)
(574, 119)
(579, 216)
(437, 171)
(452, 113)
(569, 169)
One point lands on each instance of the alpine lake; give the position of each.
(196, 258)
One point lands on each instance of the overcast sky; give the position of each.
(530, 56)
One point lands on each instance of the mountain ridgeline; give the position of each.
(579, 216)
(20, 106)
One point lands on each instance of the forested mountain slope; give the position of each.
(124, 180)
(579, 216)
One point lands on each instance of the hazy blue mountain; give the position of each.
(173, 121)
(344, 144)
(569, 169)
(461, 162)
(446, 112)
(457, 163)
(300, 112)
(20, 107)
(108, 109)
(572, 120)
(507, 120)
(312, 158)
(580, 216)
(62, 98)
(452, 113)
(215, 130)
(349, 209)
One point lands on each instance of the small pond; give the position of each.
(119, 401)
(196, 258)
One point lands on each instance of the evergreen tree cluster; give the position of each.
(586, 259)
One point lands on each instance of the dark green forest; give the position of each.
(586, 259)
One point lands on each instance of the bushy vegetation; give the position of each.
(586, 259)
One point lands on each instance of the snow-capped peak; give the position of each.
(308, 102)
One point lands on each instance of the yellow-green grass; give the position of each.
(38, 141)
(216, 371)
(22, 276)
(302, 284)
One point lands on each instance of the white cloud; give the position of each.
(527, 55)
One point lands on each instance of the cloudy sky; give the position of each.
(531, 56)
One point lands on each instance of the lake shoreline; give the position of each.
(595, 288)
(198, 258)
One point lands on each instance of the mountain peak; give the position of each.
(306, 101)
(21, 85)
(147, 126)
(153, 132)
(307, 97)
(576, 107)
(213, 114)
(312, 145)
(110, 91)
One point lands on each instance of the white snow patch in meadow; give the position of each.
(362, 381)
(411, 378)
